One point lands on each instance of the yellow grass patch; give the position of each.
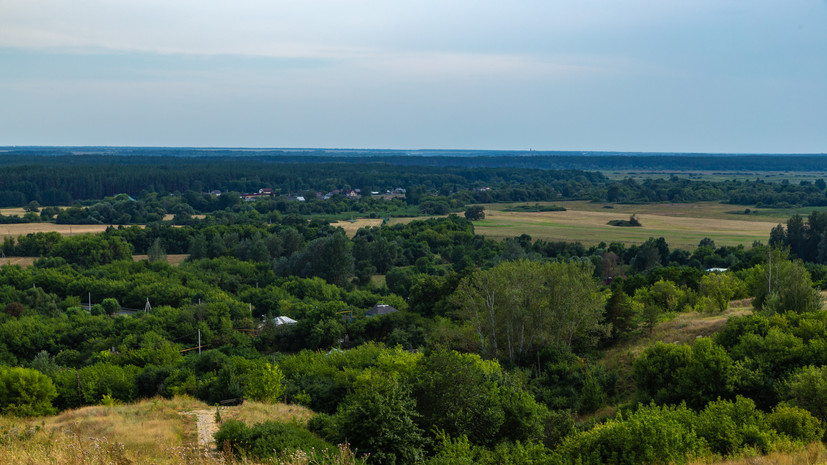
(172, 259)
(157, 431)
(813, 454)
(170, 216)
(17, 211)
(63, 229)
(351, 226)
(25, 262)
(257, 412)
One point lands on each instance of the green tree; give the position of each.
(519, 307)
(379, 418)
(788, 281)
(198, 247)
(719, 288)
(111, 306)
(25, 392)
(264, 383)
(807, 389)
(156, 252)
(475, 213)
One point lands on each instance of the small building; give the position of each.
(265, 191)
(284, 320)
(380, 309)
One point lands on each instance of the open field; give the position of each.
(15, 211)
(63, 229)
(351, 226)
(682, 225)
(172, 259)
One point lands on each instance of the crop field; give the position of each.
(682, 225)
(22, 229)
(351, 226)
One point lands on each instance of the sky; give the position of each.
(723, 76)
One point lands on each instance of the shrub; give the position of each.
(267, 439)
(25, 392)
(652, 434)
(796, 423)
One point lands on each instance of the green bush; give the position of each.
(652, 434)
(796, 423)
(267, 439)
(730, 426)
(25, 392)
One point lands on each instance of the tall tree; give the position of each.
(519, 307)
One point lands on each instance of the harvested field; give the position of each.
(63, 229)
(351, 226)
(682, 225)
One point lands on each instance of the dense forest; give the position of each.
(64, 179)
(483, 352)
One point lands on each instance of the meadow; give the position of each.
(682, 225)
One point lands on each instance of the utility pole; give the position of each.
(199, 341)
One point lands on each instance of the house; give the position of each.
(380, 309)
(265, 191)
(284, 320)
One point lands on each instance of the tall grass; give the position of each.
(157, 431)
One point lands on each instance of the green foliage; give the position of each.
(796, 423)
(475, 213)
(807, 388)
(267, 439)
(110, 306)
(379, 418)
(719, 288)
(652, 434)
(782, 285)
(518, 307)
(25, 392)
(264, 383)
(670, 373)
(730, 426)
(463, 395)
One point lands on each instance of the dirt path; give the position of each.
(205, 421)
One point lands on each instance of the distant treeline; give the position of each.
(57, 178)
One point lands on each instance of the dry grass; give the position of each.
(813, 454)
(351, 226)
(17, 211)
(170, 217)
(158, 431)
(25, 262)
(63, 229)
(172, 259)
(256, 412)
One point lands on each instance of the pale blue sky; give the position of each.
(631, 75)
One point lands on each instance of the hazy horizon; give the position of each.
(731, 76)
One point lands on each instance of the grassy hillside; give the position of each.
(158, 431)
